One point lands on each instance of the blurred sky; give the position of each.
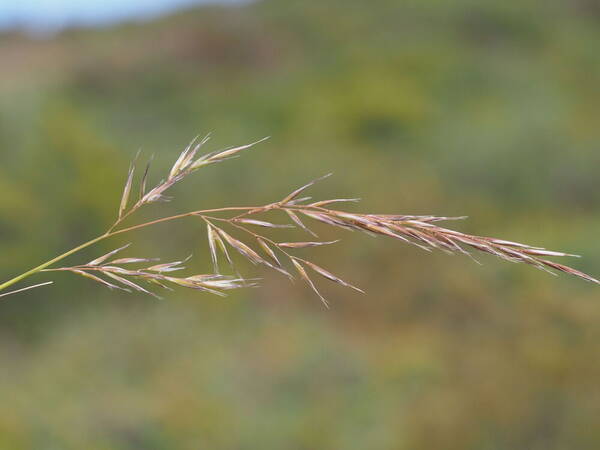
(50, 15)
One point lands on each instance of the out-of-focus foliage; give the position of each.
(488, 109)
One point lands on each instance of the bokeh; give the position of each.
(486, 109)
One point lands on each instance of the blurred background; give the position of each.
(486, 109)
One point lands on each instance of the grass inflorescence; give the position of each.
(297, 211)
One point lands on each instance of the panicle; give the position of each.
(422, 231)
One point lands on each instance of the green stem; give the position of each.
(50, 262)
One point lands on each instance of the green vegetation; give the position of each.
(481, 108)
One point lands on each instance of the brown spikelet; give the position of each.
(223, 155)
(103, 258)
(331, 277)
(167, 267)
(304, 244)
(98, 280)
(212, 246)
(269, 251)
(306, 278)
(262, 223)
(323, 203)
(299, 222)
(222, 245)
(243, 249)
(298, 191)
(132, 260)
(276, 263)
(126, 191)
(144, 181)
(129, 283)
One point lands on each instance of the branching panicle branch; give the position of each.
(259, 249)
